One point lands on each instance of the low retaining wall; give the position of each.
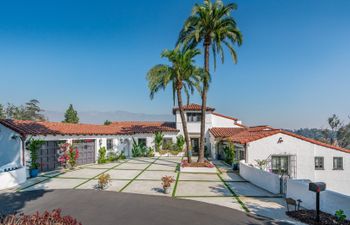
(263, 179)
(330, 201)
(12, 178)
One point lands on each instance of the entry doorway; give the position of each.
(195, 146)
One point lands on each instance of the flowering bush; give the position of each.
(68, 155)
(206, 163)
(167, 181)
(47, 218)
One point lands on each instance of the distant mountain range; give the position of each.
(96, 117)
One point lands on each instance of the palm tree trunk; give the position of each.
(204, 103)
(184, 124)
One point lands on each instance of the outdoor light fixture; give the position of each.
(280, 140)
(14, 137)
(100, 142)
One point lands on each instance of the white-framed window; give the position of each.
(319, 163)
(142, 141)
(194, 117)
(337, 163)
(109, 144)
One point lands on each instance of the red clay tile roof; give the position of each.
(145, 126)
(55, 128)
(227, 117)
(193, 107)
(250, 134)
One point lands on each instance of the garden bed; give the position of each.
(308, 217)
(196, 167)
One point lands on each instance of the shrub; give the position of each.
(261, 163)
(163, 152)
(112, 157)
(229, 151)
(158, 140)
(169, 145)
(180, 143)
(340, 215)
(48, 218)
(102, 155)
(103, 181)
(33, 146)
(68, 154)
(140, 150)
(122, 156)
(150, 152)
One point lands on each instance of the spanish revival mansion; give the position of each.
(285, 152)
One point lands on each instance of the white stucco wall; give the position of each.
(193, 127)
(329, 201)
(12, 178)
(263, 179)
(337, 180)
(10, 148)
(219, 121)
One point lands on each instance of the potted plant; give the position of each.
(103, 181)
(33, 147)
(166, 182)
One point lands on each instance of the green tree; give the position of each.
(343, 136)
(335, 124)
(158, 140)
(107, 122)
(32, 111)
(182, 75)
(211, 25)
(2, 112)
(71, 115)
(15, 112)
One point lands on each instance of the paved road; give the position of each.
(102, 207)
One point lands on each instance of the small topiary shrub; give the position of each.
(102, 155)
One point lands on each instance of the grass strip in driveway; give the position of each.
(234, 194)
(47, 178)
(175, 186)
(99, 174)
(138, 175)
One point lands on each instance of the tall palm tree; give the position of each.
(212, 25)
(183, 76)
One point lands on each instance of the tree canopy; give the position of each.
(29, 111)
(71, 115)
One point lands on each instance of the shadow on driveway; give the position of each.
(103, 207)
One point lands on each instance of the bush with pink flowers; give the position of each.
(68, 155)
(47, 218)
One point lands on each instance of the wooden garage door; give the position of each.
(48, 156)
(86, 151)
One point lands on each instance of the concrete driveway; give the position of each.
(142, 176)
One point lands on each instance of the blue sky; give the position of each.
(293, 68)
